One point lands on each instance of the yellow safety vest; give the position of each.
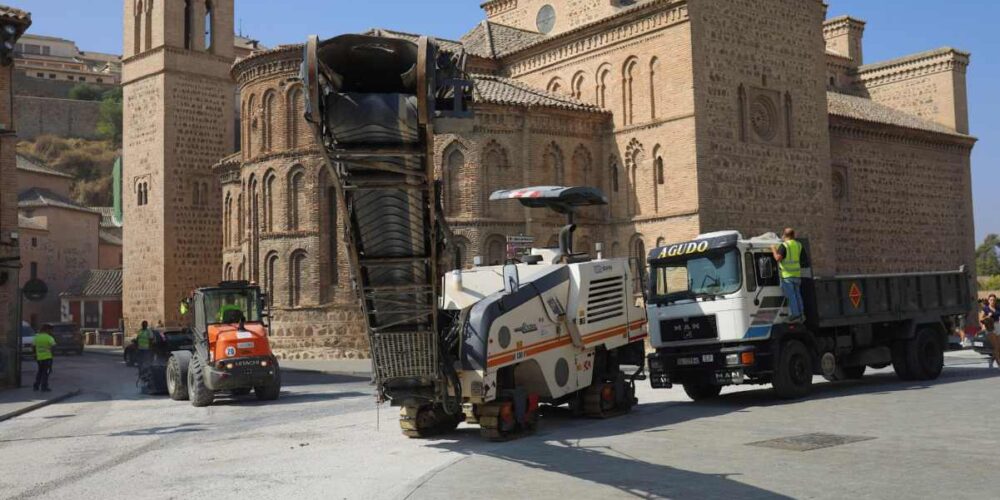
(43, 346)
(143, 339)
(791, 265)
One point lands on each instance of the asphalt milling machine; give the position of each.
(486, 345)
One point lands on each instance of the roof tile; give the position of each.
(96, 283)
(493, 89)
(859, 108)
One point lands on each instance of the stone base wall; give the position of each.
(326, 332)
(37, 116)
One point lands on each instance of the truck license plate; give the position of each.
(688, 361)
(977, 344)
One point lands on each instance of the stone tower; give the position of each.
(178, 122)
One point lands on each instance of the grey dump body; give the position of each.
(851, 300)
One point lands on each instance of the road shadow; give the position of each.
(295, 378)
(557, 447)
(162, 430)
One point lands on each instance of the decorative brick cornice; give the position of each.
(278, 61)
(859, 129)
(659, 14)
(843, 25)
(917, 65)
(497, 7)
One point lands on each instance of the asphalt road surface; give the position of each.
(876, 438)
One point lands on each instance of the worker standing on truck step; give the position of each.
(791, 257)
(44, 342)
(143, 341)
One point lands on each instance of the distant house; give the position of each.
(94, 300)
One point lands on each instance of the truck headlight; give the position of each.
(732, 359)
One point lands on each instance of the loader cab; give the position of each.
(718, 287)
(230, 303)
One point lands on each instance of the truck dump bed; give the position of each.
(848, 300)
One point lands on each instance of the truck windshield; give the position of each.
(710, 275)
(229, 306)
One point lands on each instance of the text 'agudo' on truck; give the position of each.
(717, 317)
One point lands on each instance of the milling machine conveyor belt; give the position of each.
(369, 103)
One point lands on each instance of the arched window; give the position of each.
(250, 119)
(295, 110)
(227, 213)
(657, 179)
(634, 163)
(238, 237)
(240, 270)
(628, 78)
(327, 258)
(654, 66)
(188, 24)
(496, 250)
(497, 177)
(196, 196)
(296, 198)
(582, 168)
(639, 255)
(269, 184)
(149, 25)
(614, 176)
(254, 207)
(296, 274)
(267, 122)
(553, 162)
(577, 85)
(270, 266)
(137, 18)
(603, 77)
(209, 27)
(461, 249)
(454, 164)
(661, 241)
(555, 85)
(228, 272)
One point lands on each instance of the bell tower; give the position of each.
(178, 122)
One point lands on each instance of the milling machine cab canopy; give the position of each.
(563, 200)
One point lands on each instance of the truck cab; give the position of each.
(711, 302)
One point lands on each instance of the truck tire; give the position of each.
(197, 390)
(794, 372)
(177, 375)
(270, 391)
(701, 392)
(925, 354)
(900, 361)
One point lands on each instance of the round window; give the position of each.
(546, 19)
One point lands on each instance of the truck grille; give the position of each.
(681, 329)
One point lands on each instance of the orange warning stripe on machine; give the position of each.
(547, 345)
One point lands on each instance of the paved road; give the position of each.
(325, 439)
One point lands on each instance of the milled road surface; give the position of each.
(322, 439)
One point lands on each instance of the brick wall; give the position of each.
(37, 116)
(763, 144)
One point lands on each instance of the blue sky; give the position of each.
(895, 28)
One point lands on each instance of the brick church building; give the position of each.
(691, 115)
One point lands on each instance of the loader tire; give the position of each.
(200, 394)
(794, 373)
(270, 391)
(702, 392)
(177, 375)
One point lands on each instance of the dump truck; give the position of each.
(229, 349)
(486, 345)
(718, 317)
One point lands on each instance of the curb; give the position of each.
(356, 374)
(41, 404)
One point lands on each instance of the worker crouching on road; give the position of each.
(44, 342)
(144, 341)
(791, 257)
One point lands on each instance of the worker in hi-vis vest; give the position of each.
(43, 355)
(791, 257)
(144, 341)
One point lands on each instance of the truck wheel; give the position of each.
(925, 354)
(270, 391)
(197, 390)
(900, 361)
(701, 392)
(794, 373)
(177, 375)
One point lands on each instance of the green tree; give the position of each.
(987, 263)
(84, 92)
(109, 123)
